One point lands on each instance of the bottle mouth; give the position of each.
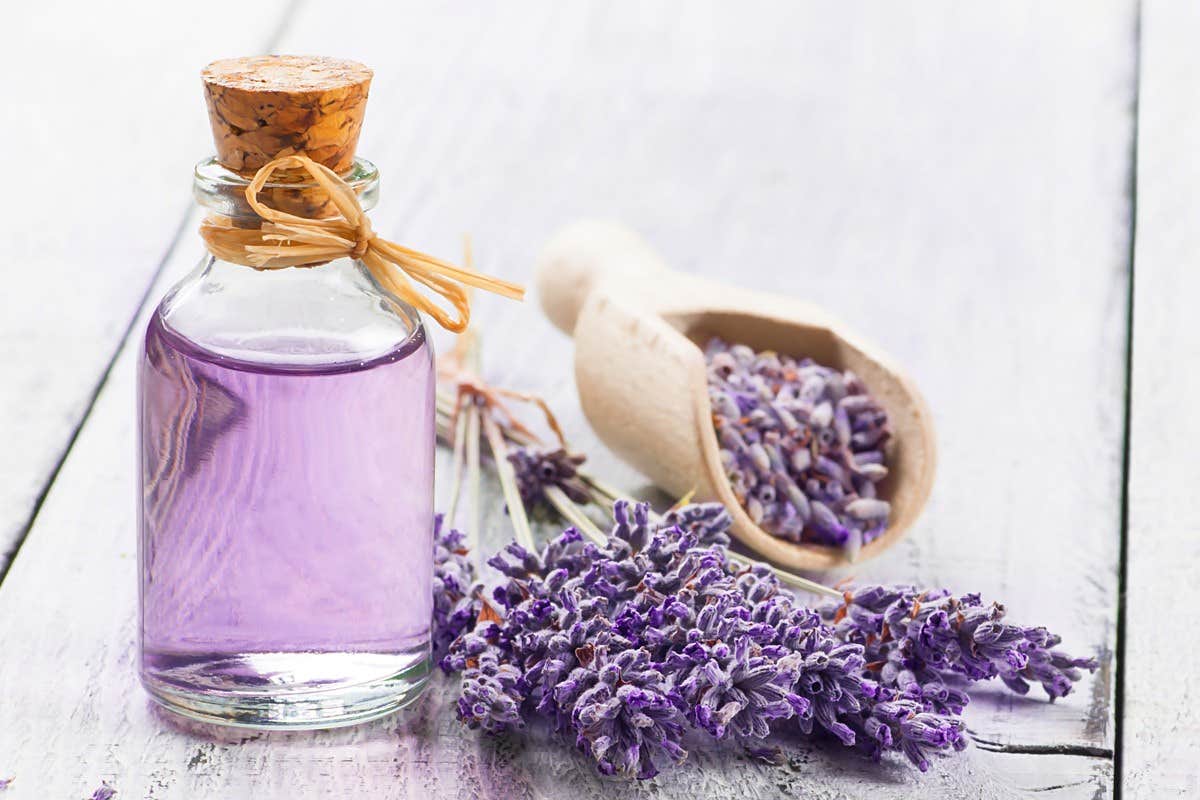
(220, 189)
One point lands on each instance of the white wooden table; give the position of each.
(961, 181)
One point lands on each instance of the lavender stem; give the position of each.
(508, 483)
(458, 439)
(574, 514)
(609, 493)
(473, 474)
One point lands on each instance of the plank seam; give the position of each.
(1123, 546)
(91, 402)
(273, 39)
(1090, 751)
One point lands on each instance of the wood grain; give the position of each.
(1163, 540)
(951, 182)
(108, 130)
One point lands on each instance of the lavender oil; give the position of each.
(286, 529)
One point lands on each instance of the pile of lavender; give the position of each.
(634, 646)
(802, 445)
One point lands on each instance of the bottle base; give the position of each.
(287, 691)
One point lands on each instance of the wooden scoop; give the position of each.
(639, 329)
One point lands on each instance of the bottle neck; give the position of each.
(331, 313)
(223, 191)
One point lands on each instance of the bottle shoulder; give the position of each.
(296, 317)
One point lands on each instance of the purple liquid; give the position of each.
(286, 528)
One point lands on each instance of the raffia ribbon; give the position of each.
(286, 240)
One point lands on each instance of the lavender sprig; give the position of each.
(491, 694)
(918, 641)
(626, 715)
(802, 444)
(455, 592)
(625, 645)
(723, 649)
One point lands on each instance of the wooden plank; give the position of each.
(1158, 754)
(942, 175)
(111, 121)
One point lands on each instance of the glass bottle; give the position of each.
(286, 423)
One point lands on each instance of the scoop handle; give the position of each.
(586, 255)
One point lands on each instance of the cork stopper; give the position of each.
(262, 107)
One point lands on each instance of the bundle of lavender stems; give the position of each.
(632, 640)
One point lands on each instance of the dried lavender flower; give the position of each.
(919, 641)
(707, 521)
(105, 792)
(491, 697)
(536, 470)
(627, 714)
(626, 645)
(455, 592)
(802, 445)
(735, 689)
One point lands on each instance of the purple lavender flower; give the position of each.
(627, 714)
(895, 722)
(105, 792)
(708, 521)
(5, 783)
(538, 469)
(827, 675)
(625, 645)
(802, 444)
(491, 695)
(734, 689)
(918, 641)
(455, 601)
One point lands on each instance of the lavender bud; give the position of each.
(872, 472)
(854, 542)
(798, 500)
(822, 415)
(754, 508)
(868, 509)
(724, 405)
(786, 417)
(760, 457)
(742, 354)
(841, 424)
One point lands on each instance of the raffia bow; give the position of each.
(286, 240)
